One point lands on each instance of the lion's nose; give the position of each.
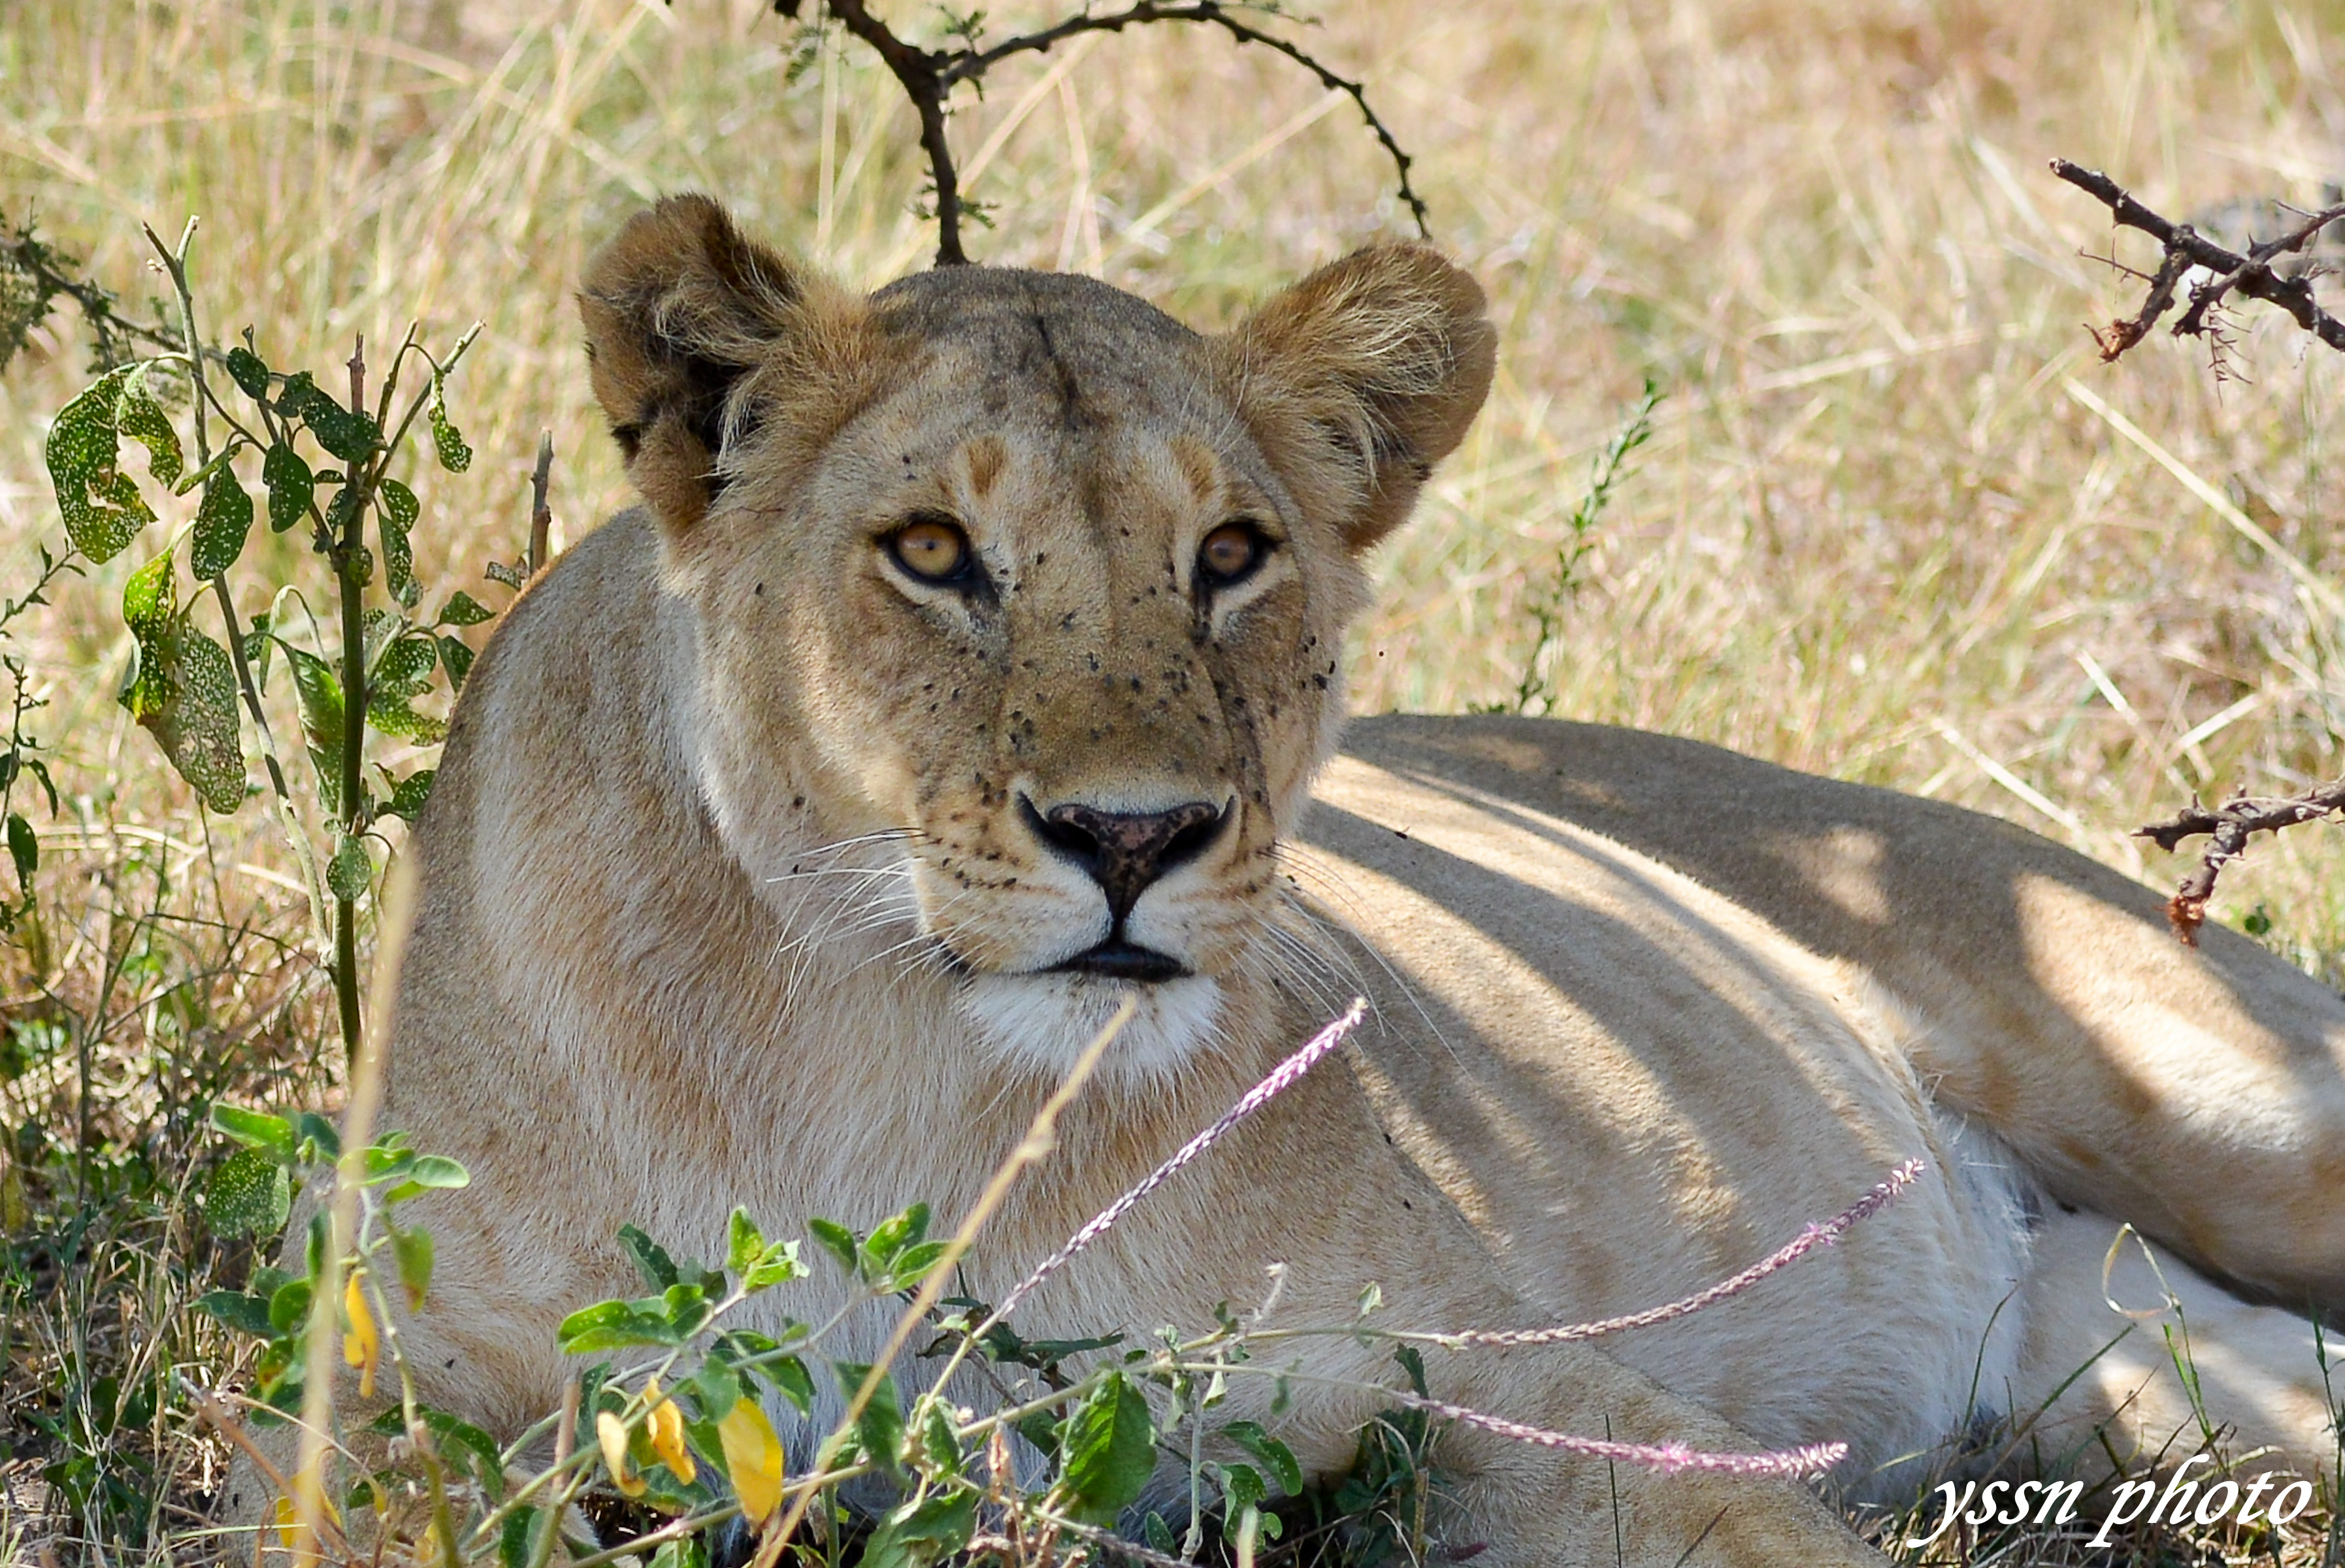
(1125, 851)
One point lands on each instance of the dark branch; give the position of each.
(2228, 828)
(47, 273)
(2259, 260)
(968, 65)
(929, 75)
(2250, 275)
(921, 73)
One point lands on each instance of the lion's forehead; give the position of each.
(1045, 348)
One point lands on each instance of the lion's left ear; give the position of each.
(1360, 378)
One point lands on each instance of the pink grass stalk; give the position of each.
(1282, 1078)
(1809, 1240)
(1667, 1458)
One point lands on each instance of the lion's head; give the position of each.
(1021, 597)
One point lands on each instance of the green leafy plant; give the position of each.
(325, 467)
(1535, 692)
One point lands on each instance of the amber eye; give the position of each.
(1231, 552)
(932, 549)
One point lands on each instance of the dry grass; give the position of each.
(1877, 535)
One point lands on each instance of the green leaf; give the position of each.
(430, 1173)
(456, 658)
(791, 1380)
(249, 372)
(687, 1308)
(222, 521)
(616, 1325)
(1274, 1455)
(923, 1531)
(744, 1242)
(411, 1250)
(894, 1234)
(245, 1314)
(142, 419)
(717, 1386)
(150, 602)
(463, 610)
(321, 1140)
(650, 1259)
(777, 1265)
(1159, 1534)
(524, 1532)
(408, 795)
(910, 1266)
(403, 667)
(760, 1264)
(472, 1451)
(393, 716)
(350, 872)
(183, 688)
(102, 510)
(446, 439)
(248, 1193)
(319, 694)
(880, 1427)
(351, 435)
(255, 1130)
(786, 1374)
(395, 513)
(290, 486)
(937, 1444)
(289, 1305)
(1110, 1446)
(839, 1242)
(1037, 1428)
(24, 849)
(1242, 1486)
(475, 1451)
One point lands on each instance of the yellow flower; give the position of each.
(753, 1458)
(361, 1346)
(665, 1427)
(310, 1489)
(613, 1431)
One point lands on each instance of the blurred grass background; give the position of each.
(1877, 535)
(1879, 532)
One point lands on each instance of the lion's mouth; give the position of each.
(1118, 960)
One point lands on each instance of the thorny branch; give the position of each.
(34, 273)
(2250, 275)
(929, 75)
(2228, 827)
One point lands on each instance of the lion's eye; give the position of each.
(1231, 552)
(932, 549)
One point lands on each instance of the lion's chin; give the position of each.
(1042, 1022)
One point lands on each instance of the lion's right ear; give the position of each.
(692, 328)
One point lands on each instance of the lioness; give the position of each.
(973, 664)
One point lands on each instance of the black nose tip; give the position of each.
(1125, 851)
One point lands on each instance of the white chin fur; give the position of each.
(1043, 1022)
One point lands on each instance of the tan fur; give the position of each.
(729, 896)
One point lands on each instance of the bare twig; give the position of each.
(2250, 275)
(540, 516)
(970, 64)
(929, 75)
(921, 73)
(2228, 827)
(2259, 260)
